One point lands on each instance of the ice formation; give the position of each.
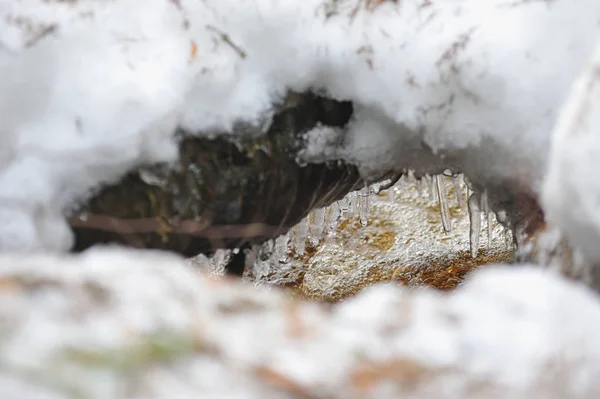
(404, 240)
(90, 89)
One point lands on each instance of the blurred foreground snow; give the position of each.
(120, 324)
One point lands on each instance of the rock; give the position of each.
(223, 192)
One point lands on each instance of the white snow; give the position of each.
(571, 196)
(124, 324)
(89, 89)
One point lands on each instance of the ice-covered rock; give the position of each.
(120, 324)
(90, 89)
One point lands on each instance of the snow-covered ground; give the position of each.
(120, 324)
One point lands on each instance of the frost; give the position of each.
(91, 89)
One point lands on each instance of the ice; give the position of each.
(430, 186)
(487, 213)
(334, 212)
(475, 223)
(420, 186)
(344, 205)
(354, 203)
(364, 204)
(317, 226)
(281, 248)
(92, 89)
(443, 199)
(300, 236)
(456, 182)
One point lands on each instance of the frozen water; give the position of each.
(474, 223)
(443, 199)
(403, 240)
(300, 235)
(364, 205)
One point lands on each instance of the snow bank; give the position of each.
(123, 324)
(571, 196)
(89, 89)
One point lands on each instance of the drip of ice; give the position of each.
(502, 218)
(260, 259)
(364, 206)
(317, 225)
(420, 187)
(219, 260)
(344, 205)
(334, 215)
(458, 189)
(354, 203)
(281, 248)
(392, 190)
(443, 199)
(429, 180)
(485, 207)
(300, 236)
(475, 223)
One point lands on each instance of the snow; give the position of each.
(90, 89)
(124, 324)
(570, 196)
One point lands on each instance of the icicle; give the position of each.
(458, 189)
(280, 249)
(365, 204)
(391, 192)
(475, 223)
(430, 187)
(485, 207)
(333, 216)
(317, 225)
(502, 218)
(264, 262)
(344, 205)
(489, 229)
(330, 219)
(300, 235)
(420, 187)
(252, 258)
(443, 199)
(353, 203)
(219, 259)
